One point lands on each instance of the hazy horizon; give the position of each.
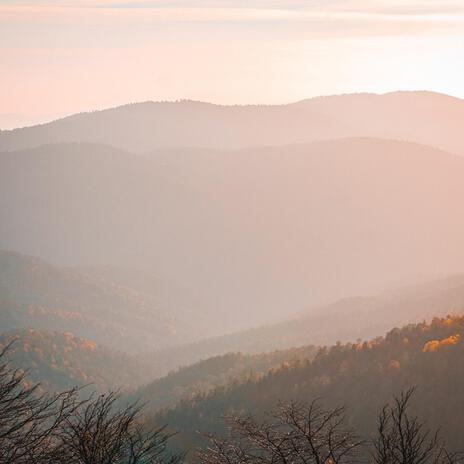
(13, 121)
(62, 57)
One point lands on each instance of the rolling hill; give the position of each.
(38, 295)
(123, 309)
(60, 361)
(345, 320)
(201, 377)
(424, 117)
(254, 233)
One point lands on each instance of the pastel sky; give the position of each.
(60, 56)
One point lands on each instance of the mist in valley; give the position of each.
(244, 241)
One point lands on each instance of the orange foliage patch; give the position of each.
(448, 321)
(433, 345)
(89, 345)
(395, 364)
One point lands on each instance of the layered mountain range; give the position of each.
(174, 247)
(252, 234)
(424, 117)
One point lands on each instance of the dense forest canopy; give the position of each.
(363, 376)
(60, 361)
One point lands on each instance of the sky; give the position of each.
(59, 57)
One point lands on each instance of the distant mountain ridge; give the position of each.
(254, 233)
(422, 117)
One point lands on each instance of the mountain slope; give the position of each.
(351, 318)
(424, 117)
(60, 361)
(345, 320)
(204, 376)
(36, 294)
(362, 376)
(253, 232)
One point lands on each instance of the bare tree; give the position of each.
(295, 432)
(29, 420)
(104, 432)
(61, 428)
(403, 439)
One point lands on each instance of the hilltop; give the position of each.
(423, 117)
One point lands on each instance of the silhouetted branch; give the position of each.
(295, 432)
(404, 439)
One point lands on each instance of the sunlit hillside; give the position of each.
(61, 360)
(362, 375)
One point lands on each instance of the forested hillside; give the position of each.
(200, 378)
(128, 310)
(91, 304)
(363, 376)
(345, 320)
(61, 361)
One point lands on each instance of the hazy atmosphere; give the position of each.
(62, 57)
(231, 232)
